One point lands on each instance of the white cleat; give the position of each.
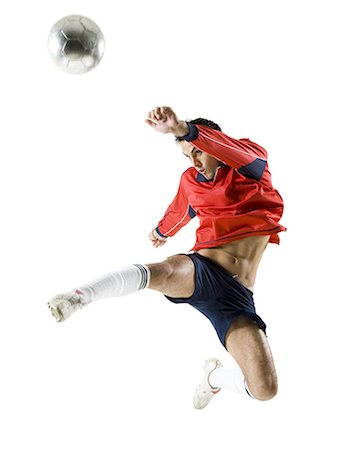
(63, 305)
(205, 392)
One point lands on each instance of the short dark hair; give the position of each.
(206, 123)
(201, 121)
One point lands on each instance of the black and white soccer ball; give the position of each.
(76, 44)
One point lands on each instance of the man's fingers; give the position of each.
(158, 243)
(152, 121)
(157, 114)
(165, 110)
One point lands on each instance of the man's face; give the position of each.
(204, 163)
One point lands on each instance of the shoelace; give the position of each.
(74, 301)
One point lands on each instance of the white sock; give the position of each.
(229, 379)
(123, 281)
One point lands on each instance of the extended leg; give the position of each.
(173, 277)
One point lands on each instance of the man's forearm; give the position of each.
(181, 129)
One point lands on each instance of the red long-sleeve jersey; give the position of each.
(239, 202)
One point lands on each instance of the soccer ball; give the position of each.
(76, 44)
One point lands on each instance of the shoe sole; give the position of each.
(56, 313)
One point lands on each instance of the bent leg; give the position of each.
(173, 277)
(248, 345)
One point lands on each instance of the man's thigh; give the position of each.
(248, 345)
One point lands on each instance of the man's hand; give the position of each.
(164, 120)
(156, 239)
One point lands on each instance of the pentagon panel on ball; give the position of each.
(76, 44)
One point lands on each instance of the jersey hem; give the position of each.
(273, 233)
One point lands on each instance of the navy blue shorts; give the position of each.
(219, 296)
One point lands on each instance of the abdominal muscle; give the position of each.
(241, 258)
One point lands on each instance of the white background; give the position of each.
(83, 180)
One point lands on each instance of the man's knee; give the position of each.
(179, 265)
(174, 276)
(266, 388)
(160, 274)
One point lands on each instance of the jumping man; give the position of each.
(229, 189)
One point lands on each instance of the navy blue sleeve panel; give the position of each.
(191, 212)
(192, 133)
(254, 170)
(160, 234)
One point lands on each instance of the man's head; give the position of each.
(203, 162)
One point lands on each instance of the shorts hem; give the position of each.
(254, 317)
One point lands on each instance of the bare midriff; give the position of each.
(241, 258)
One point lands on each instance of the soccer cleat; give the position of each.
(205, 392)
(63, 305)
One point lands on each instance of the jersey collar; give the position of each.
(201, 179)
